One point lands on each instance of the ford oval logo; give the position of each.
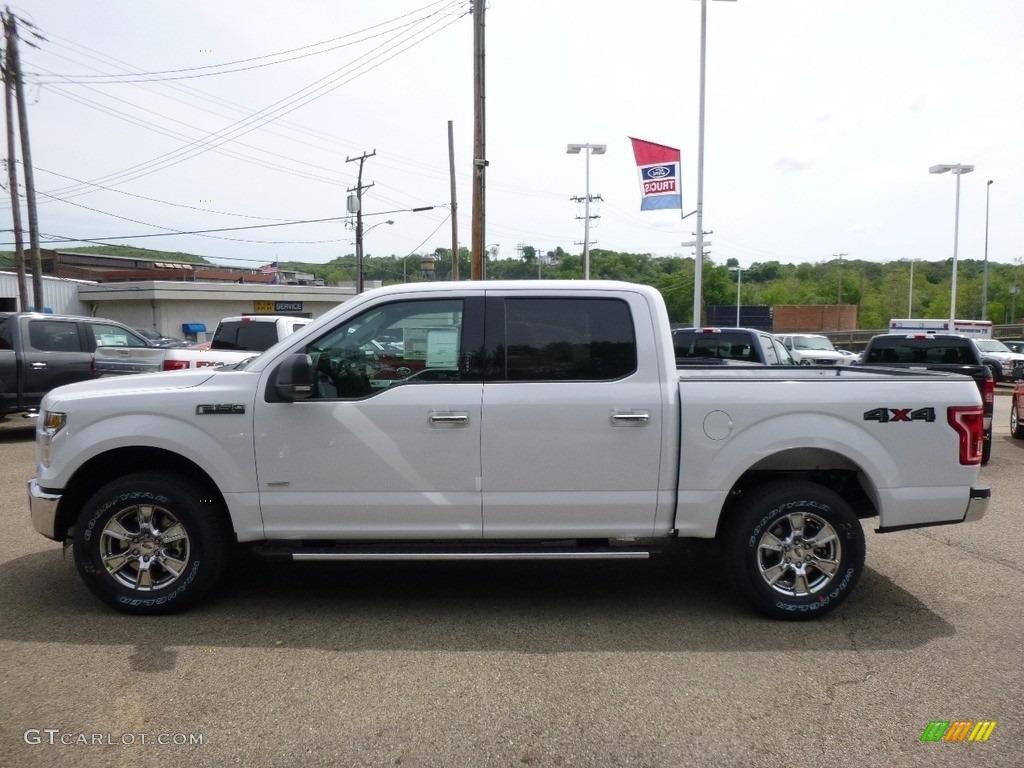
(658, 172)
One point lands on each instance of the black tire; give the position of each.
(997, 372)
(180, 543)
(986, 447)
(795, 549)
(1016, 426)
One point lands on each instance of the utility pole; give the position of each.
(14, 64)
(479, 144)
(839, 291)
(358, 189)
(455, 205)
(12, 177)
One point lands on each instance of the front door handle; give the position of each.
(630, 418)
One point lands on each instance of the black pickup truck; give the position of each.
(39, 352)
(937, 352)
(728, 346)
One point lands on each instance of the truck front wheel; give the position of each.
(149, 543)
(795, 549)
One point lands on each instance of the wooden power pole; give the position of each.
(12, 176)
(14, 64)
(455, 205)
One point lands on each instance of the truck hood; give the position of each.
(168, 381)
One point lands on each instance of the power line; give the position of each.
(268, 114)
(65, 239)
(195, 72)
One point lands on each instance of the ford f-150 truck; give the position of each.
(40, 351)
(546, 420)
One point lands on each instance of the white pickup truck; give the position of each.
(537, 420)
(235, 339)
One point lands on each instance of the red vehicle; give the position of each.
(1017, 411)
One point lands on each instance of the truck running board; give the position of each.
(420, 553)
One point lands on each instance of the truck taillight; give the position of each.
(175, 365)
(969, 423)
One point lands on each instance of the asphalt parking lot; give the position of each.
(619, 664)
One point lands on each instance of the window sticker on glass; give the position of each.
(443, 348)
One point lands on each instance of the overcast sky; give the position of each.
(823, 118)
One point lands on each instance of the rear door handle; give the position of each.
(454, 418)
(630, 418)
(37, 366)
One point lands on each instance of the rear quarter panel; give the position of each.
(777, 419)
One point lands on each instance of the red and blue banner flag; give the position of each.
(658, 166)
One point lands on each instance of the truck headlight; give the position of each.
(49, 425)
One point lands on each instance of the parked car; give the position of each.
(1017, 411)
(157, 339)
(999, 358)
(851, 357)
(1015, 346)
(812, 349)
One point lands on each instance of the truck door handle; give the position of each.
(37, 366)
(455, 418)
(630, 418)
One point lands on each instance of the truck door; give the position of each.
(375, 457)
(54, 353)
(572, 418)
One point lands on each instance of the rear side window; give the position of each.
(920, 352)
(714, 344)
(568, 340)
(6, 342)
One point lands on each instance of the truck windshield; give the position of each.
(813, 342)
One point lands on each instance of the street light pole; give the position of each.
(698, 264)
(910, 293)
(958, 170)
(739, 281)
(597, 149)
(984, 280)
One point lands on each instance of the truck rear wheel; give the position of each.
(795, 549)
(149, 543)
(1016, 427)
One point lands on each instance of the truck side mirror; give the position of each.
(295, 378)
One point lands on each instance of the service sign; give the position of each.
(276, 307)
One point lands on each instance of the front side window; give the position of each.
(54, 336)
(408, 342)
(568, 339)
(115, 336)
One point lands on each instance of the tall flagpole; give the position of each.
(698, 262)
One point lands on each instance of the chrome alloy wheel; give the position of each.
(799, 555)
(144, 547)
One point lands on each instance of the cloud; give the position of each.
(859, 229)
(792, 164)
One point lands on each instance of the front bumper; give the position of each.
(42, 507)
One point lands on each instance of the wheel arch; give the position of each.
(824, 467)
(119, 462)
